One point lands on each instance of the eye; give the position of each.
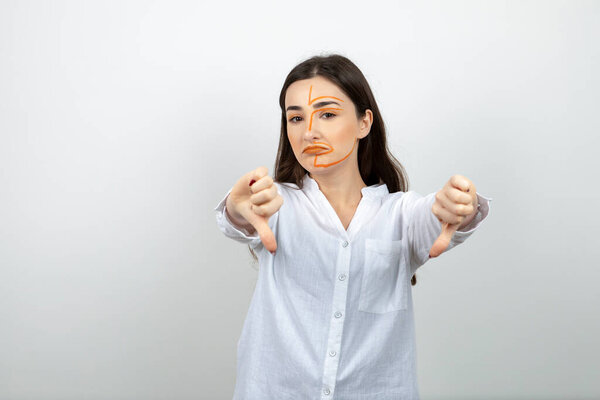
(293, 119)
(328, 115)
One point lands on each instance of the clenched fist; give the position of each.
(455, 206)
(252, 201)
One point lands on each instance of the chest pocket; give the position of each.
(385, 277)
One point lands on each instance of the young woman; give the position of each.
(338, 238)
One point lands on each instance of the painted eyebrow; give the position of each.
(316, 105)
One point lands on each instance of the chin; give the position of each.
(321, 170)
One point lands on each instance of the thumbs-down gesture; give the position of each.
(455, 207)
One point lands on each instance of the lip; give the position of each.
(317, 148)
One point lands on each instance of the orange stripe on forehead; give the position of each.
(320, 97)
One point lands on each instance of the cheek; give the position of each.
(344, 133)
(293, 139)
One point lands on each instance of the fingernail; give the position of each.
(273, 252)
(251, 182)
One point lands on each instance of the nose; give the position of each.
(312, 132)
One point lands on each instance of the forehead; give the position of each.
(298, 92)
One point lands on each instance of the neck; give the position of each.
(341, 186)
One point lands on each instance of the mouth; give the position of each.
(317, 148)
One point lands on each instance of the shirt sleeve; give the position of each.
(424, 227)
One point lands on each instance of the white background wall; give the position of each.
(122, 124)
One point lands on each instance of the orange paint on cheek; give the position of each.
(335, 162)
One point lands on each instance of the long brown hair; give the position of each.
(375, 162)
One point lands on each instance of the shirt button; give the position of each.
(332, 353)
(338, 314)
(345, 243)
(342, 277)
(326, 391)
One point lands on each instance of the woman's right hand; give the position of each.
(252, 201)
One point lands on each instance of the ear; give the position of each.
(364, 124)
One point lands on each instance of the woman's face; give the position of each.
(322, 126)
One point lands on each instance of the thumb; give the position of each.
(264, 231)
(441, 243)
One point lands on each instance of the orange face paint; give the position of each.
(320, 151)
(335, 162)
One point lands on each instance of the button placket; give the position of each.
(340, 293)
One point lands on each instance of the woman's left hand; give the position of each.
(455, 206)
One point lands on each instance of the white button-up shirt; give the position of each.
(331, 316)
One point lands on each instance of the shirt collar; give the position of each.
(379, 190)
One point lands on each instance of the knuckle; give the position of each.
(258, 210)
(264, 196)
(452, 195)
(272, 193)
(262, 171)
(461, 199)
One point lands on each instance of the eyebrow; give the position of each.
(316, 105)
